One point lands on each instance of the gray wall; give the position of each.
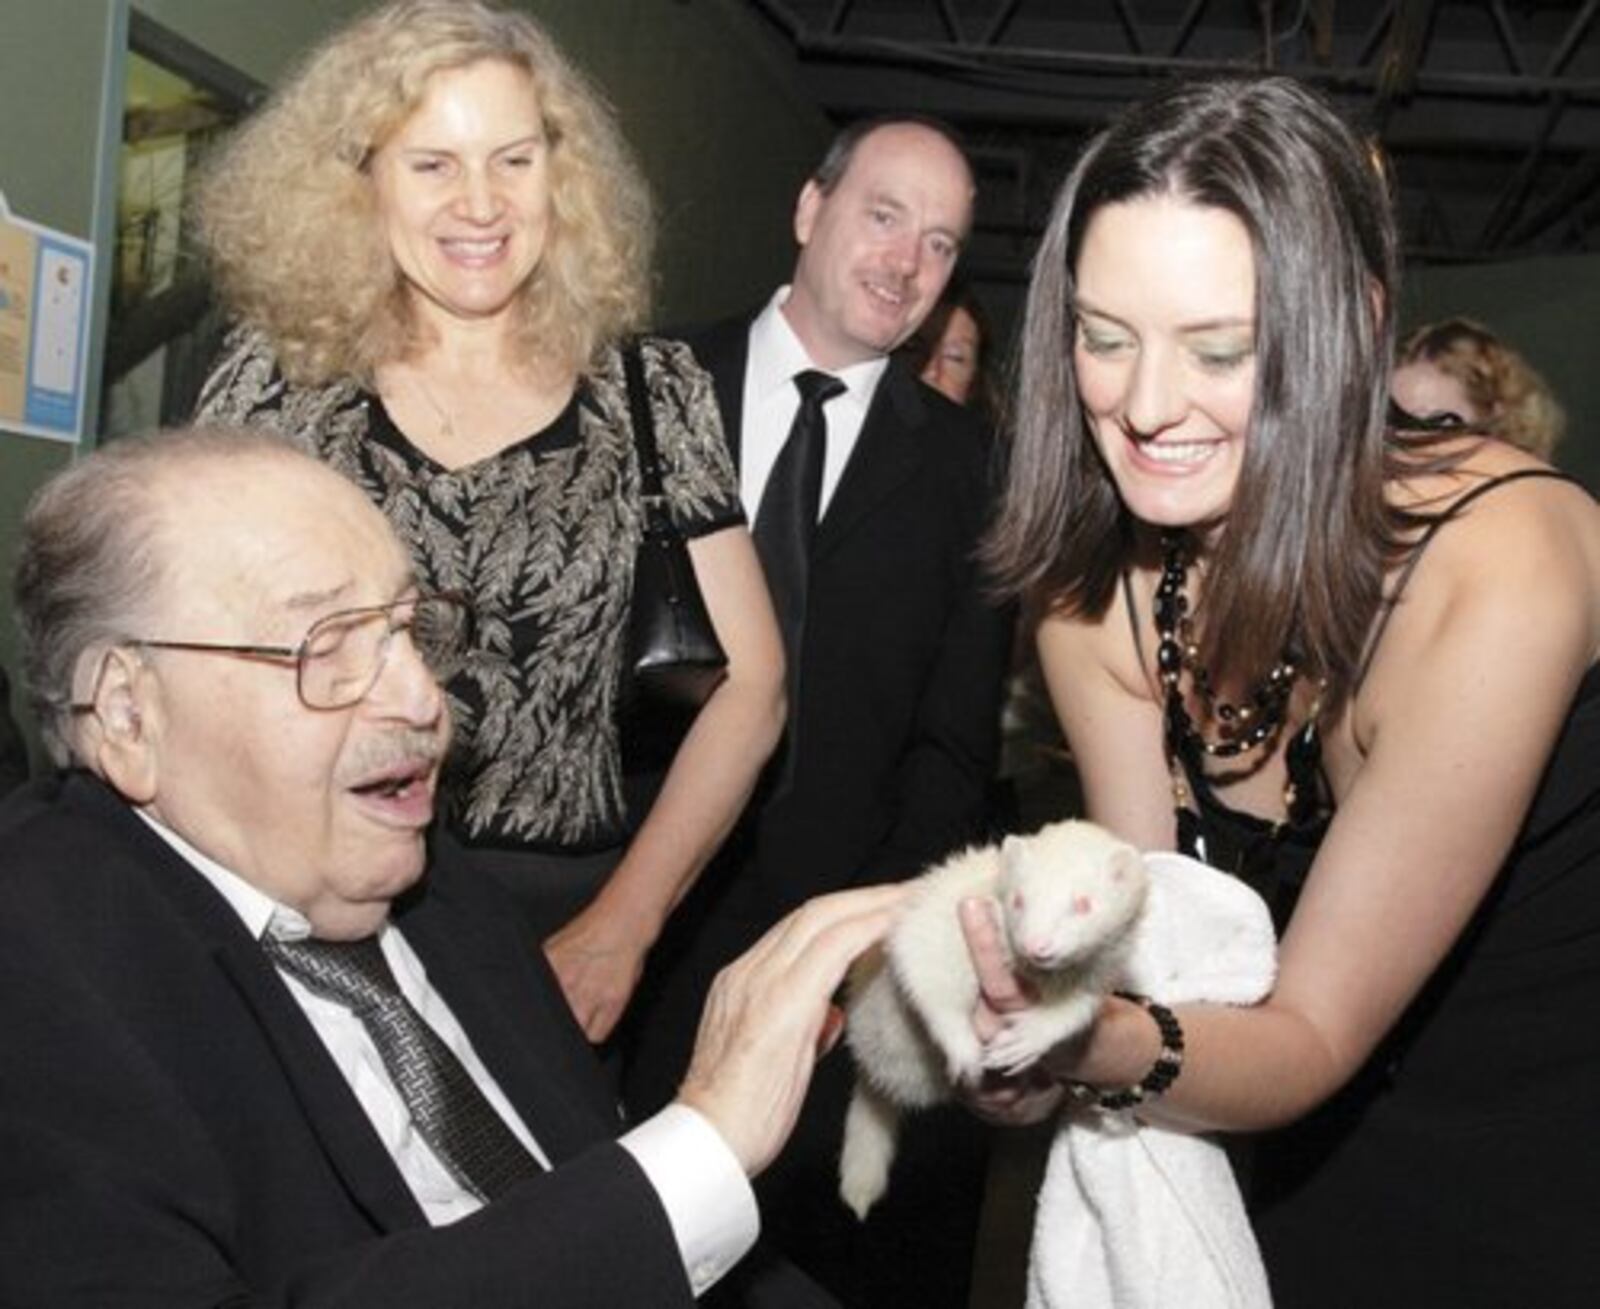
(715, 111)
(711, 107)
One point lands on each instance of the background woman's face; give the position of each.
(464, 191)
(1164, 352)
(952, 366)
(1424, 390)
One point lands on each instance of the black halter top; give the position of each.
(1273, 858)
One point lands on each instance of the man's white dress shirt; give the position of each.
(771, 399)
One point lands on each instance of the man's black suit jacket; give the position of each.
(173, 1133)
(896, 725)
(897, 719)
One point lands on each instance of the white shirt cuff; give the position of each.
(703, 1189)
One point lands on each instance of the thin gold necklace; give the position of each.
(447, 428)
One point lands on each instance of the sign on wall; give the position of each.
(45, 281)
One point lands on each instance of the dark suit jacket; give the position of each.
(897, 716)
(173, 1132)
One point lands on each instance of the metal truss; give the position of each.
(1489, 110)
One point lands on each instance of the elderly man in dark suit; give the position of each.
(254, 1054)
(868, 492)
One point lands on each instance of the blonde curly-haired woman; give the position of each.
(434, 239)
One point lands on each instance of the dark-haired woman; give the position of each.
(953, 349)
(1356, 668)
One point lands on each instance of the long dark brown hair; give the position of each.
(1299, 563)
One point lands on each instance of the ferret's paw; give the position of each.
(963, 1053)
(965, 1064)
(1026, 1037)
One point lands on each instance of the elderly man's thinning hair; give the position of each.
(93, 558)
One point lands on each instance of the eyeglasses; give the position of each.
(338, 662)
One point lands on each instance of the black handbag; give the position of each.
(673, 652)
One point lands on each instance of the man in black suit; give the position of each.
(254, 1055)
(896, 658)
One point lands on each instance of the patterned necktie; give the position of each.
(786, 523)
(466, 1133)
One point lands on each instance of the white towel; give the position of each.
(1132, 1216)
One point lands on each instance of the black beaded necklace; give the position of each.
(1243, 726)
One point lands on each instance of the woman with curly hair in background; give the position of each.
(1459, 370)
(434, 238)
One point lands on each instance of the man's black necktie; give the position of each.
(451, 1113)
(786, 522)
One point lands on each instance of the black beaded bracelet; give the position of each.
(1163, 1073)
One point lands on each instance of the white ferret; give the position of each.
(1068, 895)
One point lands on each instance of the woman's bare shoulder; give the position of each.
(1517, 552)
(1117, 644)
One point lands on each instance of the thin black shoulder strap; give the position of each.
(644, 428)
(1452, 511)
(1133, 617)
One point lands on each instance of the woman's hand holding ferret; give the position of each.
(1114, 1050)
(1034, 1094)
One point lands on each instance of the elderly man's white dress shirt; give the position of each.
(700, 1183)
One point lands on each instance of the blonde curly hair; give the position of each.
(288, 213)
(1515, 403)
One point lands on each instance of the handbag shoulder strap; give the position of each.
(644, 426)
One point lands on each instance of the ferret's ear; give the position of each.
(1125, 864)
(1010, 855)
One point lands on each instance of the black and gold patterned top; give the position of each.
(542, 536)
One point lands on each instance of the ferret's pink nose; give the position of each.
(1037, 951)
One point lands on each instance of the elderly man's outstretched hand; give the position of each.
(770, 1016)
